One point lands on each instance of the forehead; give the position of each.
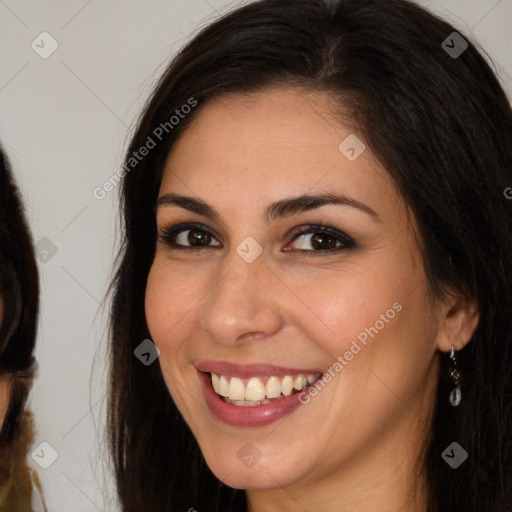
(271, 143)
(292, 120)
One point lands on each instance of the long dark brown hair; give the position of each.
(19, 289)
(442, 127)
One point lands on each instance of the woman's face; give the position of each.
(264, 308)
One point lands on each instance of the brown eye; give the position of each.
(322, 239)
(196, 237)
(186, 236)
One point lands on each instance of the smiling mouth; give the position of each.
(262, 390)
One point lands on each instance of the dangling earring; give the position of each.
(455, 375)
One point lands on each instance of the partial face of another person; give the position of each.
(259, 301)
(4, 379)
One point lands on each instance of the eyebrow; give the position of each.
(278, 209)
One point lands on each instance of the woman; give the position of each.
(19, 302)
(317, 241)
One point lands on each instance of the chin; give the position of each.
(253, 474)
(256, 479)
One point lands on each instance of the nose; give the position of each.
(242, 307)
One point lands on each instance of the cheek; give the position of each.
(167, 301)
(172, 302)
(162, 316)
(340, 308)
(378, 320)
(156, 303)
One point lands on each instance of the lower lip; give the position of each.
(256, 416)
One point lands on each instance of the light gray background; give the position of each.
(64, 123)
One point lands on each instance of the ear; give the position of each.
(459, 320)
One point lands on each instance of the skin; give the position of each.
(356, 445)
(4, 379)
(4, 396)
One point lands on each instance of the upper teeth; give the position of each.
(254, 390)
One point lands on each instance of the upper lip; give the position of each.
(251, 370)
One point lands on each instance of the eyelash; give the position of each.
(348, 242)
